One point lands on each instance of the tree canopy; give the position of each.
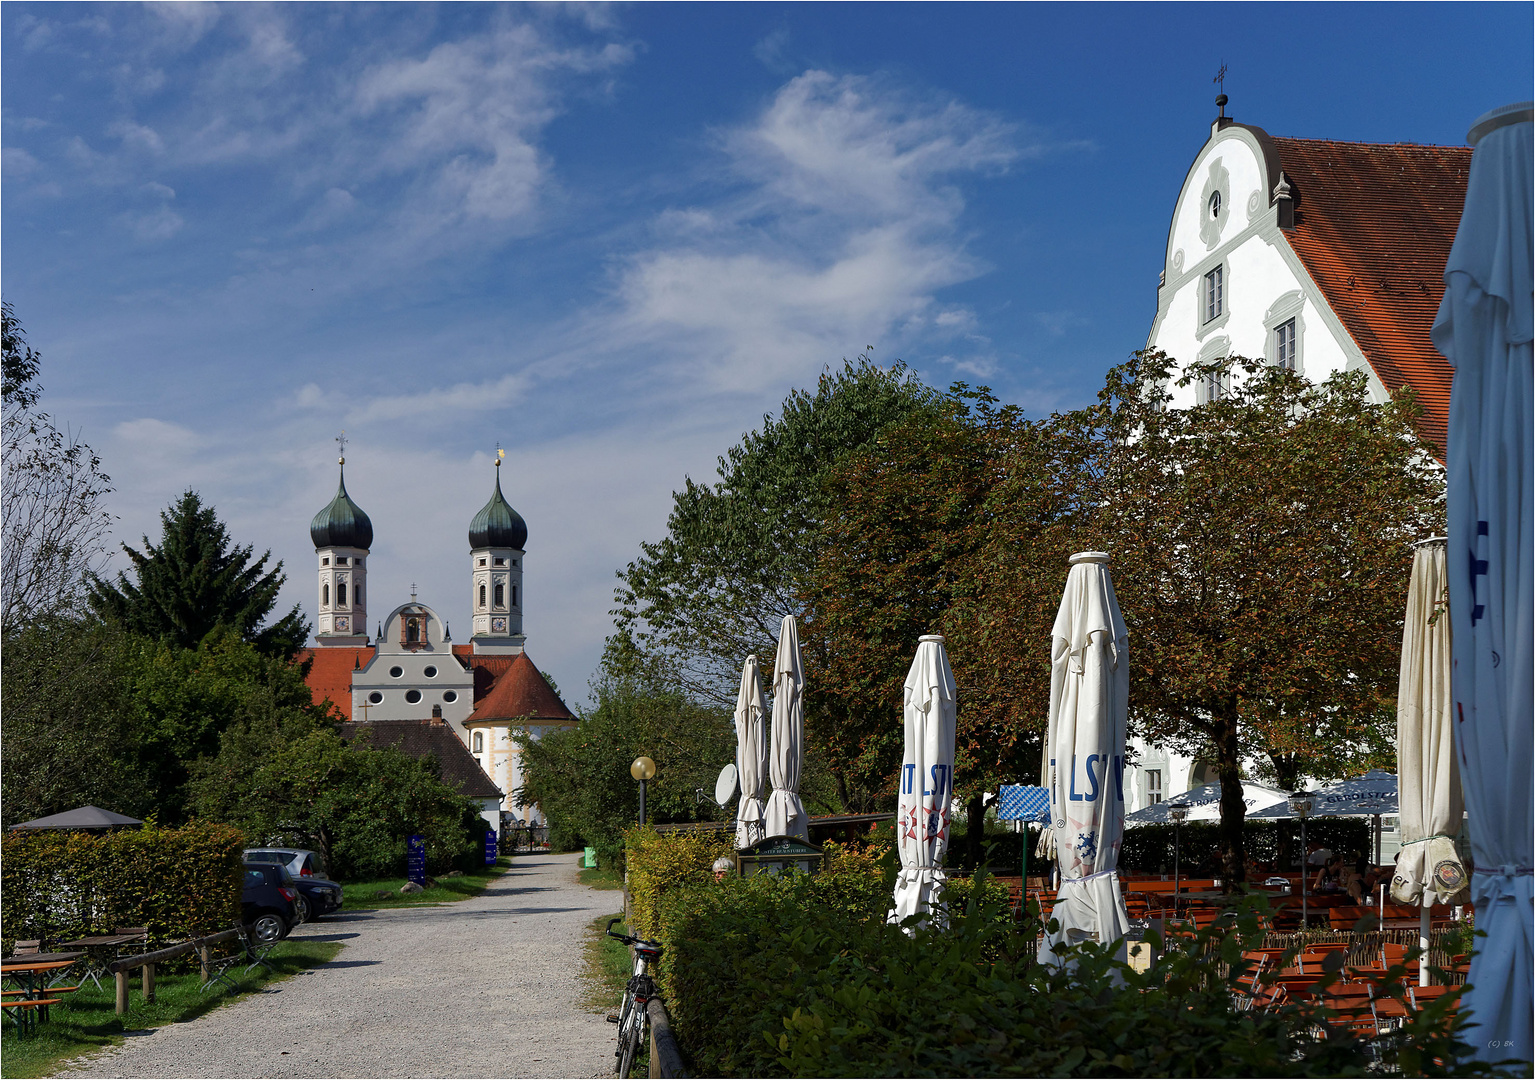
(738, 553)
(54, 518)
(197, 579)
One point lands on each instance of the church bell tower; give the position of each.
(497, 536)
(342, 535)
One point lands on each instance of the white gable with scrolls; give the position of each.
(1231, 284)
(413, 670)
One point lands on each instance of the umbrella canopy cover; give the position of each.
(751, 754)
(785, 814)
(1484, 329)
(1089, 698)
(927, 781)
(1428, 785)
(1204, 803)
(1364, 796)
(82, 817)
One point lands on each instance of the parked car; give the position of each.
(267, 904)
(318, 895)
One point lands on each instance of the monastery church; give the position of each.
(412, 686)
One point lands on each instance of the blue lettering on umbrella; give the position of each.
(1478, 569)
(1092, 777)
(907, 772)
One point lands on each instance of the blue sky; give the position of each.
(612, 237)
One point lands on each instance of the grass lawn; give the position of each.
(88, 1021)
(365, 895)
(600, 878)
(608, 966)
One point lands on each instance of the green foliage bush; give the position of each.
(663, 863)
(61, 885)
(803, 976)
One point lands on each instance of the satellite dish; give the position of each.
(727, 785)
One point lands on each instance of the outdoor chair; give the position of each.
(1422, 995)
(251, 953)
(28, 948)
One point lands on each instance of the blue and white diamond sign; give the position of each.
(1020, 802)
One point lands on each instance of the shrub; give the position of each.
(661, 863)
(797, 975)
(1150, 848)
(178, 882)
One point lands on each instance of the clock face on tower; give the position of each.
(343, 623)
(498, 626)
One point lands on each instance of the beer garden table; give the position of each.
(25, 971)
(94, 949)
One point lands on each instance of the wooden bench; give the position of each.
(28, 1011)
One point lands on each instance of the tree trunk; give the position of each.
(841, 778)
(975, 831)
(1233, 809)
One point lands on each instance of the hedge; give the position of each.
(803, 976)
(62, 885)
(1149, 848)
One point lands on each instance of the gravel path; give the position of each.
(484, 987)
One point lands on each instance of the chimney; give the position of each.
(437, 715)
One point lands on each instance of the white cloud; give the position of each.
(137, 136)
(17, 162)
(154, 225)
(455, 401)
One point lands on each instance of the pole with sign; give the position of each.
(1023, 803)
(490, 848)
(415, 860)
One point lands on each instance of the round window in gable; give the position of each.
(430, 672)
(375, 697)
(412, 696)
(450, 695)
(396, 672)
(1215, 205)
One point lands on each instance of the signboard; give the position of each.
(776, 854)
(415, 860)
(1020, 802)
(490, 848)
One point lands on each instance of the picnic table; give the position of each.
(95, 949)
(30, 1001)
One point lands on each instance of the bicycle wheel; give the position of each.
(629, 1044)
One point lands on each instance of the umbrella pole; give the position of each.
(1423, 937)
(1377, 839)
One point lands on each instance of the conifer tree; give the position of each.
(197, 579)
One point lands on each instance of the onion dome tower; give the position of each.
(497, 536)
(342, 535)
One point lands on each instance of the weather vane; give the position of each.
(341, 442)
(1220, 79)
(500, 453)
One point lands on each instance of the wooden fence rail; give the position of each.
(665, 1055)
(147, 961)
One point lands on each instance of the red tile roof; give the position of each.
(517, 690)
(1373, 227)
(330, 673)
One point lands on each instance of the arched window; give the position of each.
(514, 596)
(500, 595)
(482, 596)
(341, 594)
(325, 595)
(412, 630)
(479, 742)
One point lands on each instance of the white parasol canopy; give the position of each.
(1369, 795)
(1204, 803)
(785, 814)
(751, 754)
(1428, 784)
(1484, 329)
(927, 781)
(1089, 699)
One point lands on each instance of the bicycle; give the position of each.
(633, 1019)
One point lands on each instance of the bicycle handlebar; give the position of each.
(629, 939)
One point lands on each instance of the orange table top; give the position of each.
(10, 967)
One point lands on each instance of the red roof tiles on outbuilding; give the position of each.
(1373, 227)
(518, 691)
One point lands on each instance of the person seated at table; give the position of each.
(1328, 878)
(1352, 879)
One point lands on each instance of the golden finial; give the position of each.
(341, 442)
(500, 453)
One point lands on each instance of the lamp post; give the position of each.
(642, 770)
(1177, 814)
(1300, 806)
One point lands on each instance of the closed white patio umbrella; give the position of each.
(1085, 753)
(785, 814)
(751, 754)
(1428, 871)
(1484, 329)
(926, 787)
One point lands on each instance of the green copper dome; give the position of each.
(342, 523)
(497, 524)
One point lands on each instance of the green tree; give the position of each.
(1261, 553)
(71, 732)
(580, 777)
(738, 553)
(355, 804)
(197, 579)
(54, 519)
